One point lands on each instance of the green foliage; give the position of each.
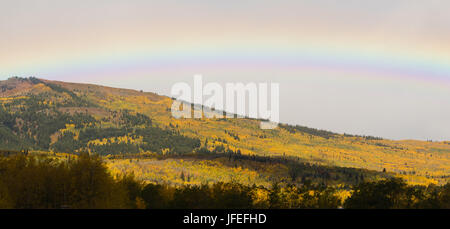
(10, 141)
(42, 182)
(74, 118)
(216, 196)
(36, 181)
(154, 139)
(30, 123)
(137, 119)
(75, 100)
(395, 193)
(156, 196)
(307, 130)
(321, 133)
(157, 139)
(67, 143)
(298, 171)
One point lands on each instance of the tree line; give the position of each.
(33, 181)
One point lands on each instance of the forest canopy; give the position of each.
(30, 181)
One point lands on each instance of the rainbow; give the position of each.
(374, 64)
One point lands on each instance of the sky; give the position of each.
(379, 68)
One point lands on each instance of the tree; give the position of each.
(384, 194)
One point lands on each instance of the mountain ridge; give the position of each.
(77, 110)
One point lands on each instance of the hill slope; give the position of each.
(57, 116)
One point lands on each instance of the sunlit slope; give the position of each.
(417, 161)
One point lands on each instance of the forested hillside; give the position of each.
(135, 132)
(39, 181)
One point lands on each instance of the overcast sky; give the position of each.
(377, 68)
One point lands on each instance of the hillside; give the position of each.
(43, 115)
